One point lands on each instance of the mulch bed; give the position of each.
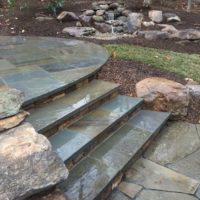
(128, 73)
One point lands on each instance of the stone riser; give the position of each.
(70, 163)
(57, 94)
(76, 116)
(120, 176)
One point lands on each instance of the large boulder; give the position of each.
(11, 101)
(85, 20)
(134, 22)
(27, 163)
(162, 94)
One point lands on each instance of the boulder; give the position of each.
(104, 6)
(89, 12)
(134, 22)
(100, 12)
(139, 4)
(156, 16)
(162, 94)
(12, 121)
(67, 16)
(85, 20)
(11, 101)
(103, 27)
(98, 18)
(188, 34)
(79, 31)
(27, 163)
(154, 35)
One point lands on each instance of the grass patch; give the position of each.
(183, 64)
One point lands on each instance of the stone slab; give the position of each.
(176, 141)
(160, 195)
(156, 177)
(50, 55)
(189, 166)
(42, 118)
(129, 189)
(72, 139)
(149, 120)
(89, 178)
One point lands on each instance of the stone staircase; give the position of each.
(97, 133)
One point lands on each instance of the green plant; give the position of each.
(54, 5)
(11, 3)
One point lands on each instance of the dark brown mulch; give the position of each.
(128, 73)
(26, 21)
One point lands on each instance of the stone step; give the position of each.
(53, 114)
(74, 142)
(102, 170)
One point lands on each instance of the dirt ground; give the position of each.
(127, 73)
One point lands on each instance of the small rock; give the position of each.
(122, 18)
(13, 121)
(85, 20)
(103, 27)
(118, 29)
(44, 18)
(114, 5)
(162, 94)
(27, 163)
(68, 16)
(134, 22)
(126, 13)
(98, 18)
(156, 16)
(168, 28)
(188, 34)
(78, 24)
(79, 31)
(89, 12)
(11, 101)
(104, 6)
(190, 81)
(173, 19)
(154, 35)
(148, 24)
(100, 12)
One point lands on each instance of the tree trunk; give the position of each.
(189, 5)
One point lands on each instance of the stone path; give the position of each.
(170, 168)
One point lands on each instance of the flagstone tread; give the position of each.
(91, 176)
(73, 139)
(42, 66)
(53, 113)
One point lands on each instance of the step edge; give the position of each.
(105, 130)
(115, 89)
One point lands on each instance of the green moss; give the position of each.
(183, 64)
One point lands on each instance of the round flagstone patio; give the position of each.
(38, 65)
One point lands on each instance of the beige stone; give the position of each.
(162, 94)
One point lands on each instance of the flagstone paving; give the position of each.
(40, 66)
(177, 141)
(178, 149)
